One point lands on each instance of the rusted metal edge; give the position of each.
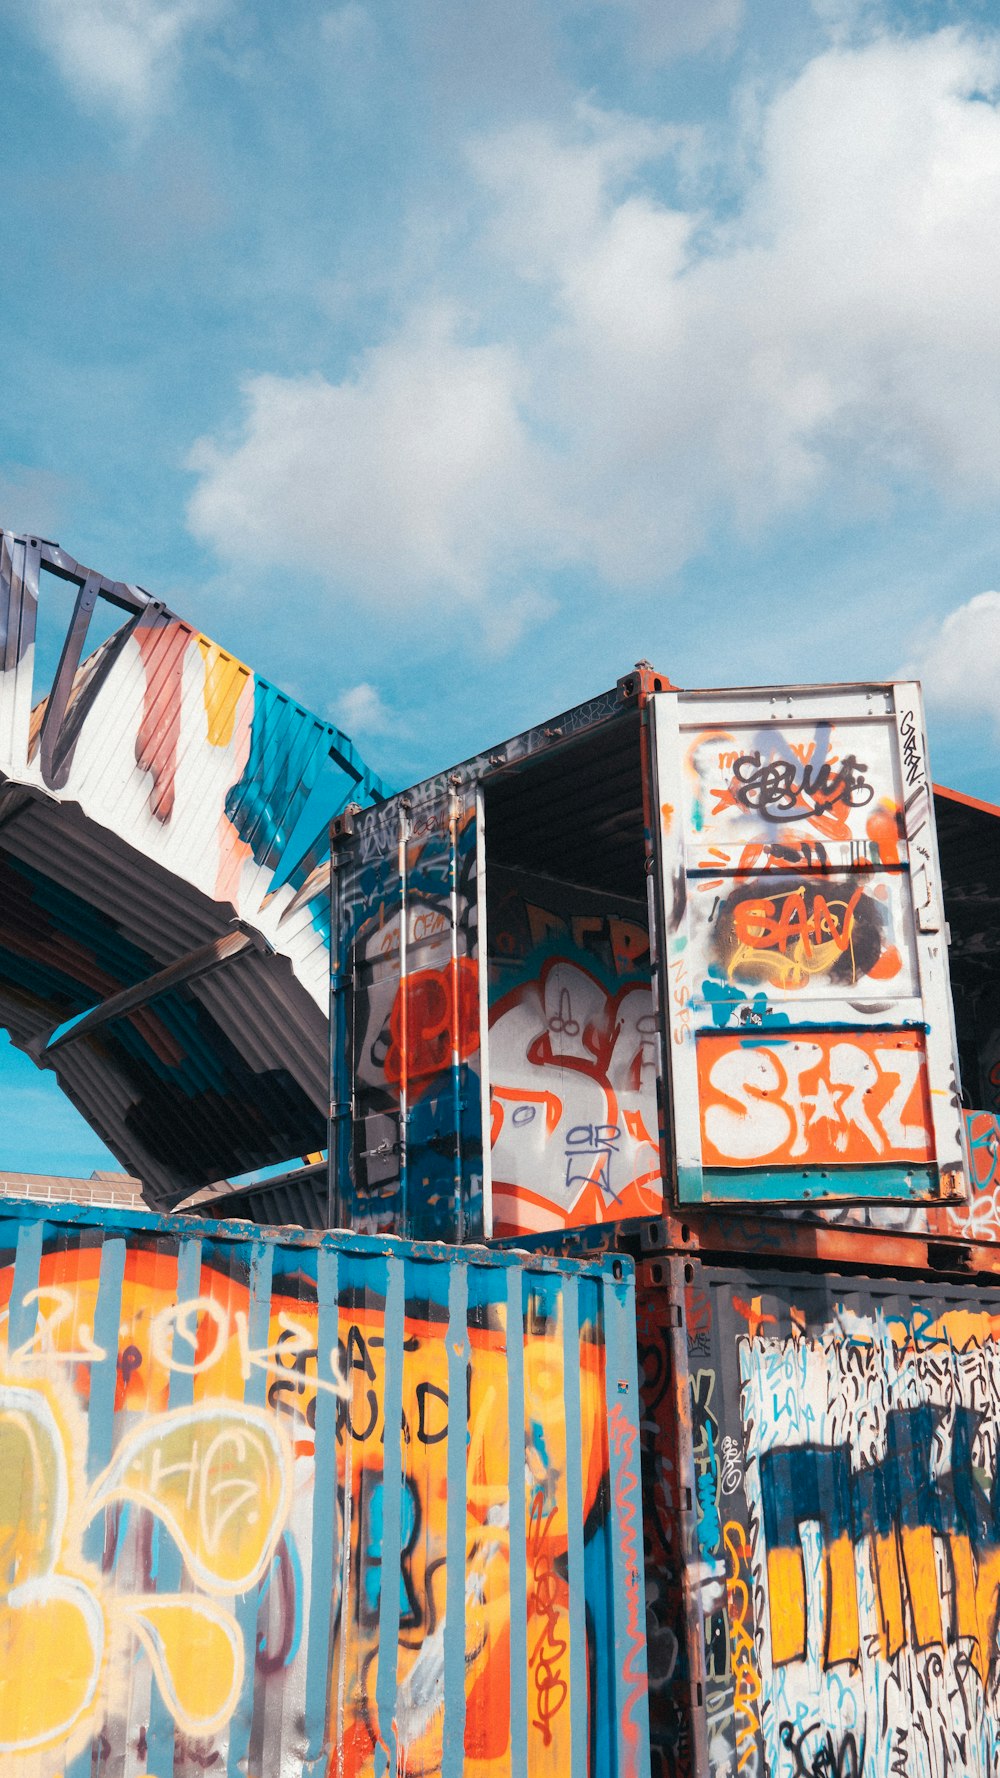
(616, 1267)
(686, 1509)
(775, 1241)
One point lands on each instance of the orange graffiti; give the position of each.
(753, 1315)
(435, 1011)
(227, 1483)
(783, 937)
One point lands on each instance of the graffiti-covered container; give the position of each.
(670, 948)
(822, 1519)
(281, 1504)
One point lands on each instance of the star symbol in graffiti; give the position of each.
(724, 799)
(825, 1102)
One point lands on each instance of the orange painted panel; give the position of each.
(814, 1099)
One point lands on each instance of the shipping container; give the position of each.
(821, 1232)
(215, 1442)
(820, 1411)
(164, 911)
(822, 1517)
(669, 948)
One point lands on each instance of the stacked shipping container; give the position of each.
(669, 978)
(712, 939)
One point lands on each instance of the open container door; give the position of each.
(407, 1005)
(809, 1026)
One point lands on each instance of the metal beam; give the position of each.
(17, 799)
(203, 961)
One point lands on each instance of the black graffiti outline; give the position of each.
(913, 769)
(828, 1761)
(770, 788)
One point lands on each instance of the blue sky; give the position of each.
(443, 358)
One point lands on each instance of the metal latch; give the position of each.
(379, 1151)
(382, 1146)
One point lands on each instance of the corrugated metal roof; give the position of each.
(156, 793)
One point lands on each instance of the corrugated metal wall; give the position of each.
(835, 1488)
(335, 1506)
(152, 793)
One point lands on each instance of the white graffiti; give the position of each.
(871, 1454)
(573, 1099)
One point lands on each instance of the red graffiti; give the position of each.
(562, 1044)
(426, 1024)
(547, 1654)
(162, 647)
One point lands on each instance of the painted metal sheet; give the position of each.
(811, 1036)
(837, 1505)
(153, 791)
(276, 1506)
(574, 1053)
(407, 1130)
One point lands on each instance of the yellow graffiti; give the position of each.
(196, 1653)
(225, 681)
(216, 1476)
(229, 1488)
(747, 1681)
(51, 1617)
(220, 1480)
(46, 1610)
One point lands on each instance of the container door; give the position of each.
(804, 965)
(405, 1021)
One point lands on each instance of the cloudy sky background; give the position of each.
(442, 358)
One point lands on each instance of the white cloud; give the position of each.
(122, 53)
(512, 615)
(552, 193)
(846, 18)
(360, 711)
(417, 475)
(958, 660)
(842, 325)
(669, 368)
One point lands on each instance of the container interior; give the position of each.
(572, 1033)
